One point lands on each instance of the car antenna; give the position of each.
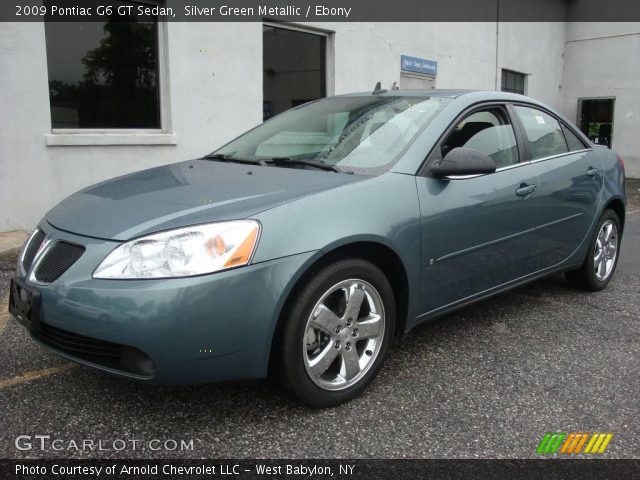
(378, 89)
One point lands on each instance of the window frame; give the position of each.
(127, 136)
(435, 152)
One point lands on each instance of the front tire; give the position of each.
(337, 333)
(602, 256)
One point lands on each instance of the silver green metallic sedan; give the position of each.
(305, 246)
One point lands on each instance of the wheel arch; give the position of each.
(617, 205)
(378, 253)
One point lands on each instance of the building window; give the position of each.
(513, 81)
(294, 68)
(104, 75)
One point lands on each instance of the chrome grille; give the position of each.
(31, 249)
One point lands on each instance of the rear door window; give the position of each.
(543, 132)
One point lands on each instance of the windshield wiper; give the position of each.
(277, 161)
(226, 158)
(298, 161)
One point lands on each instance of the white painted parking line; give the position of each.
(4, 313)
(29, 376)
(34, 375)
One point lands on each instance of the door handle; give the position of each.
(525, 190)
(592, 172)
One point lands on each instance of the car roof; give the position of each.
(444, 93)
(410, 93)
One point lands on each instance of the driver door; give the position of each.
(476, 230)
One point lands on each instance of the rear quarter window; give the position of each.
(573, 142)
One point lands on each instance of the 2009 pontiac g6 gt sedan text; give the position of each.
(303, 247)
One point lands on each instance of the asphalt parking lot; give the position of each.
(488, 381)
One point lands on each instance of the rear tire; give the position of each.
(602, 257)
(337, 333)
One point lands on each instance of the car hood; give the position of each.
(186, 193)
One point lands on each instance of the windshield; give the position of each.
(357, 134)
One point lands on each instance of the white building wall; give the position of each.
(215, 92)
(603, 60)
(369, 52)
(535, 49)
(465, 52)
(28, 176)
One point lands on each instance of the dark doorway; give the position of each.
(294, 69)
(595, 116)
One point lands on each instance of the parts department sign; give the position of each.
(418, 65)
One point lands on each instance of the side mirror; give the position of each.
(463, 161)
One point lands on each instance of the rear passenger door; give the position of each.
(570, 180)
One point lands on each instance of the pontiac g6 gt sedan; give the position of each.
(303, 247)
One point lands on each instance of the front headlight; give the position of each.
(183, 252)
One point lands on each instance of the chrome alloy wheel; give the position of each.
(343, 334)
(606, 250)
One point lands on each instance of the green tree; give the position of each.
(120, 84)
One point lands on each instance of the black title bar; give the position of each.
(322, 10)
(546, 469)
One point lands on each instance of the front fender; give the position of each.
(382, 210)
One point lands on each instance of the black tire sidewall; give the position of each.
(295, 374)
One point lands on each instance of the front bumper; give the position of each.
(194, 330)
